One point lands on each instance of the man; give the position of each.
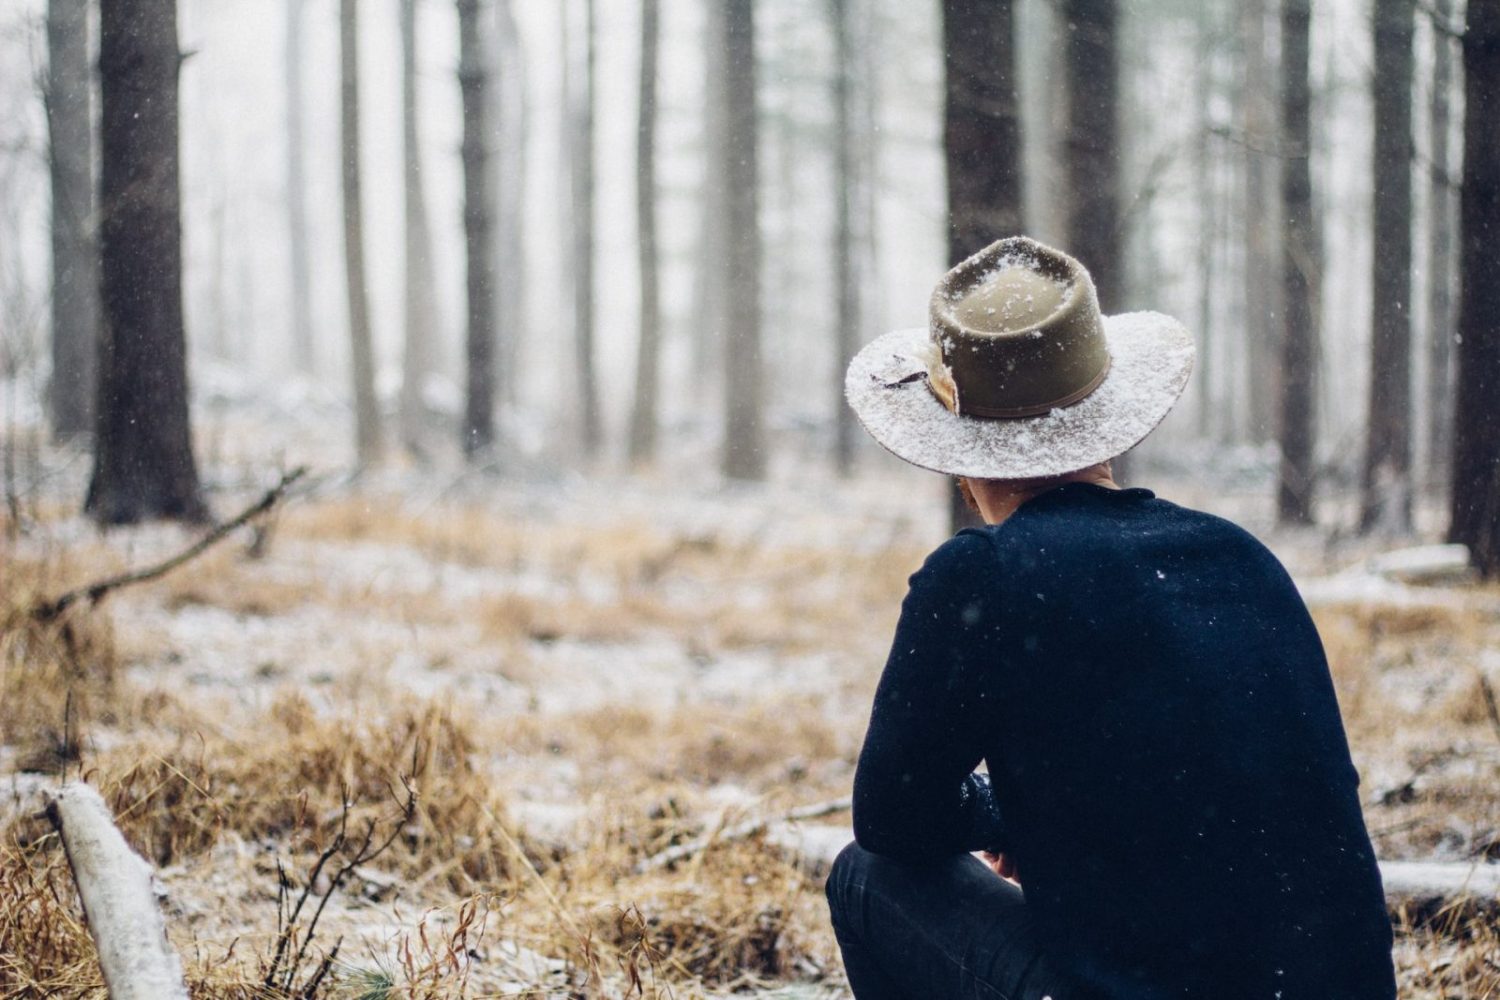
(1168, 775)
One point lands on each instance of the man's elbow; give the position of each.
(893, 841)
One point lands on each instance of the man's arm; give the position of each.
(915, 793)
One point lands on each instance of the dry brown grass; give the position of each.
(216, 792)
(55, 678)
(45, 950)
(1409, 683)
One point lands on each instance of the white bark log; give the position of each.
(1445, 880)
(114, 884)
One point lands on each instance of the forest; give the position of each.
(435, 538)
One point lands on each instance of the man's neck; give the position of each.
(999, 499)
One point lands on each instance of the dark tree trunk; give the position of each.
(143, 450)
(1095, 225)
(848, 320)
(1264, 280)
(1440, 249)
(1385, 501)
(479, 411)
(361, 340)
(1301, 273)
(644, 415)
(744, 449)
(981, 142)
(1476, 445)
(981, 125)
(583, 241)
(75, 274)
(420, 313)
(1093, 144)
(296, 197)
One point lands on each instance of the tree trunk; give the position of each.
(848, 321)
(1093, 144)
(75, 274)
(296, 197)
(1262, 290)
(1301, 273)
(479, 411)
(981, 125)
(421, 324)
(1206, 194)
(143, 447)
(744, 448)
(644, 415)
(709, 307)
(361, 341)
(1476, 445)
(981, 142)
(583, 242)
(1440, 252)
(1385, 500)
(510, 107)
(1095, 225)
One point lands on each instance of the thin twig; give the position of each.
(48, 611)
(1441, 24)
(1491, 707)
(742, 831)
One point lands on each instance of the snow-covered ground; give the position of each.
(664, 639)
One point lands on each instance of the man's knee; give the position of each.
(845, 879)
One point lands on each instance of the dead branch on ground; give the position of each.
(48, 611)
(741, 831)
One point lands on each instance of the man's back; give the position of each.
(1166, 752)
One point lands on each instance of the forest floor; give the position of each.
(531, 688)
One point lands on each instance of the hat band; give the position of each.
(942, 385)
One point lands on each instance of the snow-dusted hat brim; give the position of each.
(1151, 356)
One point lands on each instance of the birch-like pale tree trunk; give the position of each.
(582, 154)
(744, 446)
(1263, 274)
(420, 321)
(298, 257)
(1440, 248)
(361, 339)
(643, 417)
(848, 319)
(510, 108)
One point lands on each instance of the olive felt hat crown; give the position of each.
(1019, 375)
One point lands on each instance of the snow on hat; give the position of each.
(1019, 375)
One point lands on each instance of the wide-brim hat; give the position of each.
(1018, 374)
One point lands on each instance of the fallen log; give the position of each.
(1439, 893)
(114, 885)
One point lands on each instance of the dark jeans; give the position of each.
(951, 929)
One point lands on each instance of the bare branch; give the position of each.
(48, 611)
(743, 831)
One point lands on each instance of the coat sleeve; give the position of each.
(915, 791)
